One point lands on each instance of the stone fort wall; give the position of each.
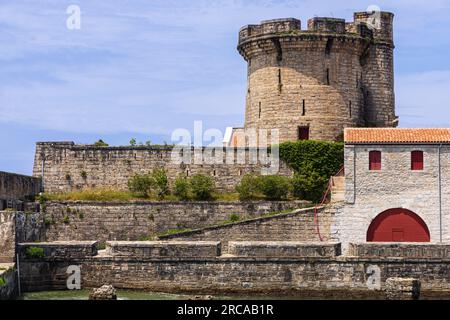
(104, 221)
(64, 166)
(297, 226)
(331, 76)
(15, 186)
(314, 269)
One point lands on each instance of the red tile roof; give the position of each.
(393, 135)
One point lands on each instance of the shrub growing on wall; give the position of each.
(249, 188)
(181, 188)
(202, 187)
(274, 187)
(308, 187)
(140, 185)
(160, 182)
(314, 163)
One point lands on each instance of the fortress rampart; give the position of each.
(320, 80)
(65, 166)
(275, 268)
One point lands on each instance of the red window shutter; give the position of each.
(417, 160)
(375, 160)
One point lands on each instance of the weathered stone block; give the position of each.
(283, 249)
(164, 249)
(402, 289)
(400, 250)
(58, 250)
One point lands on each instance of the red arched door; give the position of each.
(398, 225)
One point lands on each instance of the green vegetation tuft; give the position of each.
(174, 231)
(35, 253)
(101, 143)
(314, 162)
(181, 188)
(202, 187)
(66, 219)
(91, 195)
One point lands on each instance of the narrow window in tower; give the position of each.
(329, 46)
(328, 76)
(280, 85)
(259, 111)
(350, 108)
(303, 133)
(303, 108)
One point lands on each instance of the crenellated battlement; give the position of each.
(327, 25)
(363, 25)
(269, 27)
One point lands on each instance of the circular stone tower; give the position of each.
(312, 84)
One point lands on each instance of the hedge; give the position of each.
(314, 162)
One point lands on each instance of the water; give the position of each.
(138, 295)
(143, 295)
(84, 295)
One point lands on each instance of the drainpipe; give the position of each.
(440, 192)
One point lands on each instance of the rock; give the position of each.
(402, 289)
(201, 298)
(106, 292)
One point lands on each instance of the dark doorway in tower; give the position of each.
(303, 133)
(398, 225)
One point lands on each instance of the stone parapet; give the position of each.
(400, 250)
(58, 250)
(283, 249)
(164, 249)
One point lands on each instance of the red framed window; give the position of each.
(417, 160)
(375, 160)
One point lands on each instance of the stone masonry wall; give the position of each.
(15, 186)
(135, 220)
(369, 193)
(18, 227)
(341, 277)
(297, 226)
(7, 237)
(9, 291)
(67, 167)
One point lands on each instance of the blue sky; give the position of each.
(142, 68)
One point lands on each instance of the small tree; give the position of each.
(140, 185)
(308, 187)
(101, 143)
(202, 187)
(249, 187)
(275, 187)
(160, 182)
(133, 142)
(181, 188)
